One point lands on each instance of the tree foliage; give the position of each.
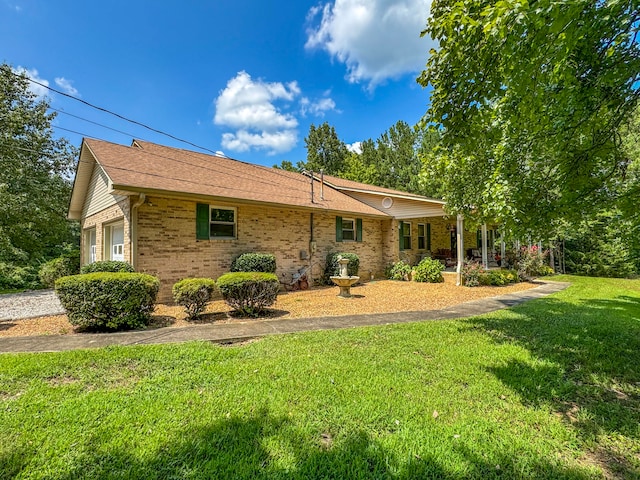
(35, 172)
(325, 151)
(530, 98)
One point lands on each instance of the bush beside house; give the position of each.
(107, 300)
(254, 262)
(113, 266)
(249, 293)
(428, 270)
(193, 294)
(332, 267)
(400, 270)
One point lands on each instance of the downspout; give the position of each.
(133, 229)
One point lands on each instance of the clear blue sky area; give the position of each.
(243, 77)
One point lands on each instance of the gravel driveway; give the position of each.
(35, 303)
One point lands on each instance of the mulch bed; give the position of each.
(381, 296)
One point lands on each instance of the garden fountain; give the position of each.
(344, 281)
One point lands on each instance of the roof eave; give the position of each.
(120, 189)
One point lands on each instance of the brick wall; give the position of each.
(167, 244)
(113, 214)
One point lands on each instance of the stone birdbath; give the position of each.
(344, 281)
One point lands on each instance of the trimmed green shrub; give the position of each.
(254, 262)
(332, 267)
(400, 270)
(193, 294)
(68, 264)
(429, 270)
(107, 300)
(249, 293)
(113, 266)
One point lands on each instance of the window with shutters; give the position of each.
(348, 229)
(216, 222)
(422, 244)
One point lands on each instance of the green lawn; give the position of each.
(550, 389)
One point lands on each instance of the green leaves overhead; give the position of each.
(530, 98)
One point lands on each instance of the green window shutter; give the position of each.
(202, 221)
(401, 234)
(479, 239)
(429, 236)
(359, 229)
(338, 229)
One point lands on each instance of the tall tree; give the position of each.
(529, 98)
(35, 173)
(325, 151)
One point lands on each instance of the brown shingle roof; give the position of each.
(342, 184)
(147, 166)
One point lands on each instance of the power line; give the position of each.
(90, 121)
(114, 113)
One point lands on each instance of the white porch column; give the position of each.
(503, 251)
(460, 248)
(485, 259)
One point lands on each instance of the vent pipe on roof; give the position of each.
(311, 186)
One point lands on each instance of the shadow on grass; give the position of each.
(588, 368)
(265, 446)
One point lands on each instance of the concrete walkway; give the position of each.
(222, 333)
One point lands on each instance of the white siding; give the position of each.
(98, 196)
(401, 208)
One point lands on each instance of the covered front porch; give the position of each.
(442, 238)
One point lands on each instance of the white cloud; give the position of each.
(317, 107)
(355, 147)
(65, 85)
(273, 142)
(375, 39)
(38, 90)
(249, 107)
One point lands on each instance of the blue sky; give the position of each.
(243, 77)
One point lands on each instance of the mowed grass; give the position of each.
(549, 389)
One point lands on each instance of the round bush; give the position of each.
(249, 293)
(429, 270)
(106, 300)
(113, 266)
(62, 266)
(400, 270)
(193, 294)
(332, 267)
(254, 262)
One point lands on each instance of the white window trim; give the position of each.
(234, 223)
(108, 247)
(354, 229)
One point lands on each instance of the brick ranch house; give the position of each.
(176, 213)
